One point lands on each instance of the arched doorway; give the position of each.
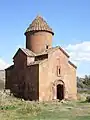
(60, 91)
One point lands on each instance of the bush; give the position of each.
(88, 98)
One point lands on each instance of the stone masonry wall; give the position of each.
(37, 41)
(48, 75)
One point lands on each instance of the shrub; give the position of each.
(88, 98)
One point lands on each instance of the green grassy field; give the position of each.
(15, 109)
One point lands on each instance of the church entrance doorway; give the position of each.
(60, 91)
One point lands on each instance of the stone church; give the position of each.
(40, 71)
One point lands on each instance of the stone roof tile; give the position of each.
(39, 24)
(28, 52)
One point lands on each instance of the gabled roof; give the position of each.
(52, 50)
(10, 67)
(47, 52)
(64, 51)
(39, 24)
(58, 47)
(27, 52)
(72, 64)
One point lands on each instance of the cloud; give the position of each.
(79, 52)
(3, 64)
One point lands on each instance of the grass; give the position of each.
(15, 109)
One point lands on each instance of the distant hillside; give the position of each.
(2, 78)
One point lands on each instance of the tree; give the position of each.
(87, 80)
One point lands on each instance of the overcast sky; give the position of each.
(69, 19)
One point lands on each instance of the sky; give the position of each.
(69, 19)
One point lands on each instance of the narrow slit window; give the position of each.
(58, 70)
(46, 46)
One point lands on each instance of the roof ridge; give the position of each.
(72, 64)
(27, 51)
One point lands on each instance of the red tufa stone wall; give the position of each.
(8, 73)
(32, 83)
(22, 80)
(20, 60)
(39, 82)
(48, 75)
(72, 85)
(37, 41)
(15, 76)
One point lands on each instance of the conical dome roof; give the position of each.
(39, 24)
